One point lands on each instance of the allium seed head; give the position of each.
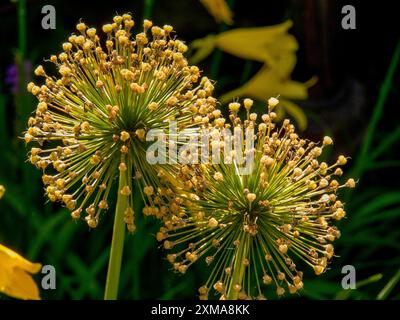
(91, 120)
(257, 224)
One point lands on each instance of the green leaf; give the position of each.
(43, 236)
(389, 287)
(62, 239)
(86, 276)
(376, 204)
(386, 142)
(320, 289)
(16, 201)
(377, 113)
(366, 239)
(378, 216)
(345, 294)
(173, 291)
(383, 164)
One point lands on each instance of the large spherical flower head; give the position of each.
(252, 226)
(91, 123)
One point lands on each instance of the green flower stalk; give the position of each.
(91, 121)
(253, 226)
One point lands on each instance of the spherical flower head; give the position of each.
(253, 220)
(91, 121)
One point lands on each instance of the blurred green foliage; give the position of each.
(45, 233)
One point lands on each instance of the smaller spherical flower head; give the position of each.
(91, 121)
(254, 221)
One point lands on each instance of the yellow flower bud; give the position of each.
(350, 183)
(81, 27)
(251, 197)
(341, 160)
(39, 71)
(234, 107)
(212, 223)
(107, 28)
(125, 136)
(327, 141)
(272, 102)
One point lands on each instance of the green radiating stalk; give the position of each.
(240, 269)
(117, 244)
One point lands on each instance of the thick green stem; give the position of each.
(117, 244)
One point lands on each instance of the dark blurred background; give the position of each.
(355, 100)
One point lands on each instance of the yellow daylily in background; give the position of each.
(271, 45)
(16, 275)
(263, 44)
(220, 10)
(268, 82)
(2, 191)
(15, 272)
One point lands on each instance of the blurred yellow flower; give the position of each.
(264, 44)
(2, 191)
(220, 10)
(273, 46)
(15, 272)
(269, 82)
(15, 275)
